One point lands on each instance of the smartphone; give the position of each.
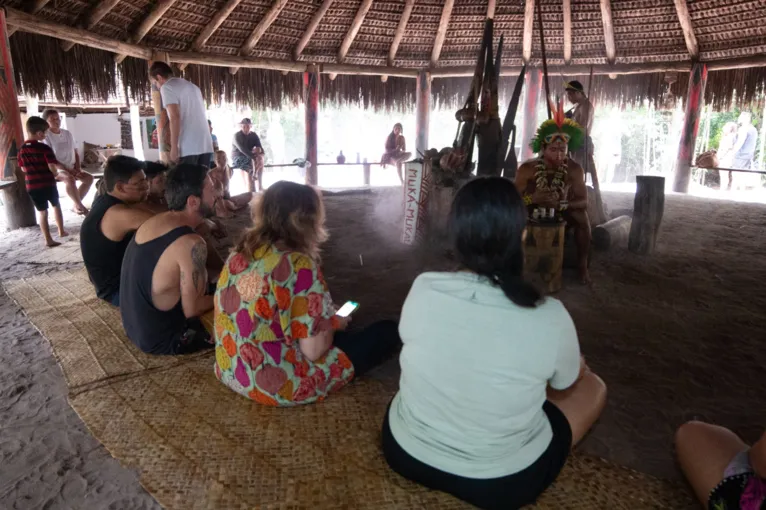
(347, 309)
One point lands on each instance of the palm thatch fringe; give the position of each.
(88, 75)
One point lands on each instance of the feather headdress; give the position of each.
(558, 128)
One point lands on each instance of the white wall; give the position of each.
(95, 128)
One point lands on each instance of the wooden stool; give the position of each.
(544, 255)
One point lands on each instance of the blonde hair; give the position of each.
(287, 214)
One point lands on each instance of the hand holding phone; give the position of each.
(347, 309)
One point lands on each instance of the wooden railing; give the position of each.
(366, 167)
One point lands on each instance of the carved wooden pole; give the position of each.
(423, 110)
(311, 98)
(694, 102)
(529, 125)
(18, 206)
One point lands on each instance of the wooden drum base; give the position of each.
(544, 255)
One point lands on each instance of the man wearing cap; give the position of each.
(582, 114)
(247, 155)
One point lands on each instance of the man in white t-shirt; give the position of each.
(64, 147)
(190, 140)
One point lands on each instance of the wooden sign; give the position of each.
(11, 134)
(417, 188)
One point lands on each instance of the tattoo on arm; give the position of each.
(199, 260)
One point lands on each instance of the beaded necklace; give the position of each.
(559, 177)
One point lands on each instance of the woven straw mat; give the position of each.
(199, 445)
(86, 333)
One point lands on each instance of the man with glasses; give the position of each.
(111, 223)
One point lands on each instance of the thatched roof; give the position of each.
(648, 35)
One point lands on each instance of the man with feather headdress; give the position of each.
(552, 180)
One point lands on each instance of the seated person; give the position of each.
(221, 175)
(396, 150)
(724, 472)
(278, 340)
(155, 175)
(109, 226)
(554, 181)
(493, 393)
(164, 282)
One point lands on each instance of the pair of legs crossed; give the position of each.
(571, 414)
(76, 193)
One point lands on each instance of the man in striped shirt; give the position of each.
(40, 167)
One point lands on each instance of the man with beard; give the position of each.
(164, 286)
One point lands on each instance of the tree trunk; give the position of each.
(612, 233)
(311, 99)
(694, 102)
(19, 212)
(648, 208)
(423, 109)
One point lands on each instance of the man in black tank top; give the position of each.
(164, 281)
(110, 224)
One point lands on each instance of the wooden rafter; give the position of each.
(353, 30)
(214, 24)
(567, 8)
(147, 24)
(400, 29)
(441, 32)
(606, 19)
(529, 27)
(686, 25)
(491, 5)
(28, 23)
(37, 6)
(313, 24)
(96, 14)
(268, 19)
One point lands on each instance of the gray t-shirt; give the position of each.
(194, 137)
(744, 147)
(475, 368)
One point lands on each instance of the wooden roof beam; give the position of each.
(353, 30)
(147, 24)
(214, 24)
(313, 24)
(441, 32)
(606, 19)
(566, 6)
(491, 6)
(400, 29)
(37, 6)
(268, 19)
(686, 25)
(96, 14)
(529, 27)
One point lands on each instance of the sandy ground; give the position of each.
(675, 335)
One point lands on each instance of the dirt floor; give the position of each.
(676, 336)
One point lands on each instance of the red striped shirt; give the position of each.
(34, 158)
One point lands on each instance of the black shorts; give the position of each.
(194, 338)
(40, 197)
(512, 491)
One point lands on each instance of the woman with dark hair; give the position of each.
(493, 392)
(396, 150)
(279, 341)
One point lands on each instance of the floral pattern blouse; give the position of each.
(263, 306)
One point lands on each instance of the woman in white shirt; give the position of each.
(493, 392)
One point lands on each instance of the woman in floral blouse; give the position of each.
(278, 340)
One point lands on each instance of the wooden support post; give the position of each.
(311, 100)
(648, 208)
(423, 110)
(695, 100)
(18, 206)
(534, 79)
(367, 170)
(135, 132)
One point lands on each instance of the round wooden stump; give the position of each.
(544, 255)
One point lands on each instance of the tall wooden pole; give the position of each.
(311, 98)
(423, 110)
(18, 206)
(533, 88)
(694, 102)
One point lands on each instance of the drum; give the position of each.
(544, 255)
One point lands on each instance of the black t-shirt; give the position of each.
(102, 256)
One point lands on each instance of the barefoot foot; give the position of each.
(63, 233)
(52, 244)
(585, 277)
